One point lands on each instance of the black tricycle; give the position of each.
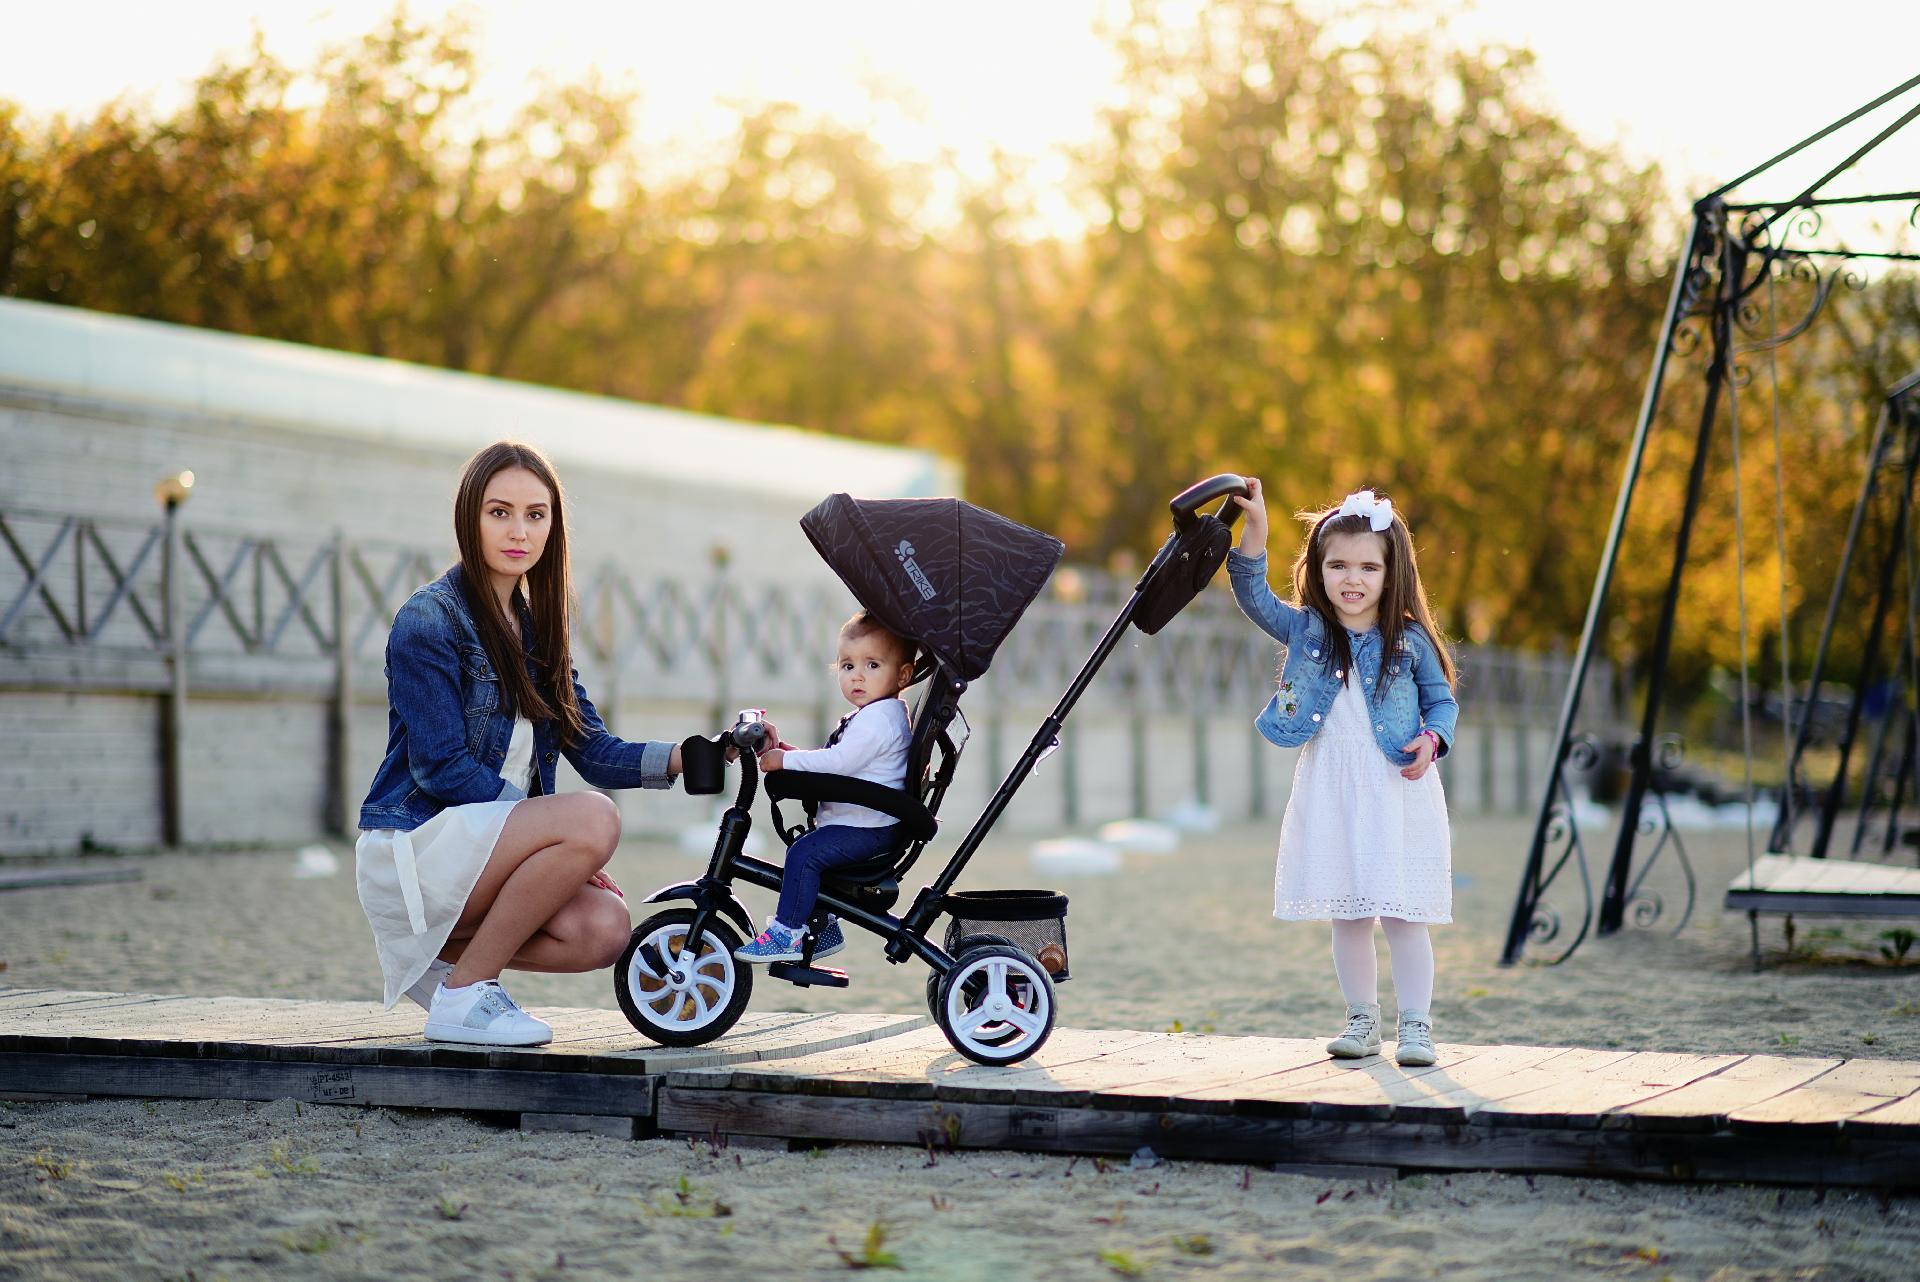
(953, 579)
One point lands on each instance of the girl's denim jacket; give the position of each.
(1414, 697)
(447, 728)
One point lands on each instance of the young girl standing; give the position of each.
(1367, 687)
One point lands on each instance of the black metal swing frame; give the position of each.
(1732, 250)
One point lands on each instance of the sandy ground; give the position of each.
(131, 1189)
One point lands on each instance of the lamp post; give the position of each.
(170, 493)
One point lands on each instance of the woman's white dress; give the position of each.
(414, 885)
(1358, 840)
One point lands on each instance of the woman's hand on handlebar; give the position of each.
(1253, 529)
(772, 759)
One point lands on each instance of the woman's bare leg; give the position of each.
(542, 860)
(589, 932)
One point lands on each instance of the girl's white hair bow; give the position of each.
(1379, 512)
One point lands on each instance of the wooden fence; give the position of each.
(176, 610)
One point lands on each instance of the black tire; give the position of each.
(1028, 988)
(722, 981)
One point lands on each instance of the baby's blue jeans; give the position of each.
(821, 851)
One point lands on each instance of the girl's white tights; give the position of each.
(1412, 951)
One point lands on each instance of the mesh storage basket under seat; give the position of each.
(1034, 920)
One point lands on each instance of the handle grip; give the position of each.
(1190, 500)
(750, 737)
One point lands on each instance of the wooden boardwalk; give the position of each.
(893, 1079)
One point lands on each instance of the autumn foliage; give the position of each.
(1327, 260)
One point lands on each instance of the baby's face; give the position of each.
(869, 670)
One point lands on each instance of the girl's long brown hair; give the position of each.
(1403, 599)
(546, 590)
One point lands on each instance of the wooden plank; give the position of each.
(905, 1066)
(1802, 1157)
(756, 1037)
(1855, 1087)
(620, 1128)
(1897, 1117)
(36, 878)
(1580, 1099)
(1229, 1061)
(945, 1124)
(1455, 1092)
(1064, 1076)
(1703, 1105)
(61, 997)
(1371, 1087)
(460, 1089)
(360, 1032)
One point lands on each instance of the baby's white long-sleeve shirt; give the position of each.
(873, 746)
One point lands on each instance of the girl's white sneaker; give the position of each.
(1362, 1034)
(1415, 1048)
(481, 1014)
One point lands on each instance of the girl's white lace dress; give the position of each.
(1358, 840)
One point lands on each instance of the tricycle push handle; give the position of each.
(1224, 486)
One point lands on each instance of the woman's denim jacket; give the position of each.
(447, 727)
(1401, 707)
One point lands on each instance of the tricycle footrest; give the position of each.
(808, 976)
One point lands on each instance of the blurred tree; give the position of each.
(377, 220)
(1328, 257)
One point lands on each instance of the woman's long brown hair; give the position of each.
(546, 590)
(1403, 599)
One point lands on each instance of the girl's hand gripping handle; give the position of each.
(1253, 533)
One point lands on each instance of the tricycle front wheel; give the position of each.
(678, 994)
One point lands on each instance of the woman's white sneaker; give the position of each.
(1362, 1034)
(481, 1014)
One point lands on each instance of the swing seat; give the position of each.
(1804, 886)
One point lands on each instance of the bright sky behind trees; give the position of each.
(1017, 75)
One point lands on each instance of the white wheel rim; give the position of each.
(983, 1027)
(692, 992)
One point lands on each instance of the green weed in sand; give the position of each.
(281, 1160)
(873, 1253)
(1193, 1244)
(1899, 940)
(1124, 1263)
(318, 1241)
(48, 1167)
(686, 1200)
(449, 1211)
(181, 1183)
